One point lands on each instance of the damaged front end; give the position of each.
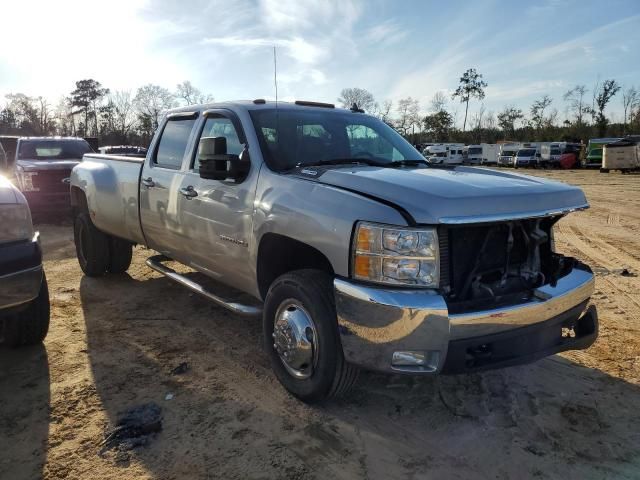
(498, 264)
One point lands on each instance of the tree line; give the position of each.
(91, 110)
(585, 114)
(123, 117)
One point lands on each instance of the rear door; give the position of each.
(162, 174)
(217, 214)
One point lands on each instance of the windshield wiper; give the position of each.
(343, 161)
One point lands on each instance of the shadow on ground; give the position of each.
(229, 418)
(24, 412)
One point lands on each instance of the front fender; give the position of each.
(318, 215)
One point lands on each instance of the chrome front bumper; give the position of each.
(20, 287)
(410, 331)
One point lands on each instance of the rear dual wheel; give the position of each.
(98, 252)
(301, 336)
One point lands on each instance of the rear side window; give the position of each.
(173, 143)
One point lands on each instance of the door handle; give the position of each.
(189, 192)
(148, 182)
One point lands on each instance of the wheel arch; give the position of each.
(279, 254)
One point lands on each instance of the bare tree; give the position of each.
(151, 101)
(507, 119)
(489, 122)
(602, 95)
(538, 119)
(575, 101)
(359, 97)
(408, 115)
(383, 111)
(471, 86)
(438, 102)
(191, 95)
(630, 99)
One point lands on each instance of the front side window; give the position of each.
(297, 137)
(173, 143)
(218, 126)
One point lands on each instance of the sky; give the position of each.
(392, 48)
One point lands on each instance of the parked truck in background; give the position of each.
(489, 154)
(472, 154)
(42, 168)
(623, 155)
(593, 154)
(356, 252)
(507, 154)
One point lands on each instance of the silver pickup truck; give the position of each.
(357, 252)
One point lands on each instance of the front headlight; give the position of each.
(16, 223)
(395, 255)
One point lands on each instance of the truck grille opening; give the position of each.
(498, 264)
(51, 180)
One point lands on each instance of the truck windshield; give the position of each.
(475, 151)
(296, 137)
(53, 149)
(526, 153)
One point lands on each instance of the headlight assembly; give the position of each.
(16, 223)
(395, 255)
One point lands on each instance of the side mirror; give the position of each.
(217, 164)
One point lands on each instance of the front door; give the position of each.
(218, 215)
(162, 175)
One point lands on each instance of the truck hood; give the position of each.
(35, 165)
(456, 195)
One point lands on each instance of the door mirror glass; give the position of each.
(216, 164)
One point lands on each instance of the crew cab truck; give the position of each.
(356, 252)
(24, 296)
(43, 167)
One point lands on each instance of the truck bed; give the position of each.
(114, 186)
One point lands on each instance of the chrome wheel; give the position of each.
(295, 339)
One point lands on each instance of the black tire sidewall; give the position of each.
(31, 325)
(318, 386)
(93, 255)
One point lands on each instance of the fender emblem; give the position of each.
(234, 240)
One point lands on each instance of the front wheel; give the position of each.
(301, 336)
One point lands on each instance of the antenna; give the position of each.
(275, 73)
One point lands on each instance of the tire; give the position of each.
(331, 374)
(30, 326)
(120, 253)
(92, 246)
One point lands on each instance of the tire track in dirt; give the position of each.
(607, 257)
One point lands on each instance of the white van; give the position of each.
(527, 157)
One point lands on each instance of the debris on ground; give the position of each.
(135, 428)
(626, 273)
(168, 396)
(180, 369)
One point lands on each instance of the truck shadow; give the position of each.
(229, 417)
(24, 411)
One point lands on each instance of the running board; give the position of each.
(155, 263)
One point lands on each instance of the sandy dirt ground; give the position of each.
(114, 341)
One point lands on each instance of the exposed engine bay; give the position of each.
(498, 264)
